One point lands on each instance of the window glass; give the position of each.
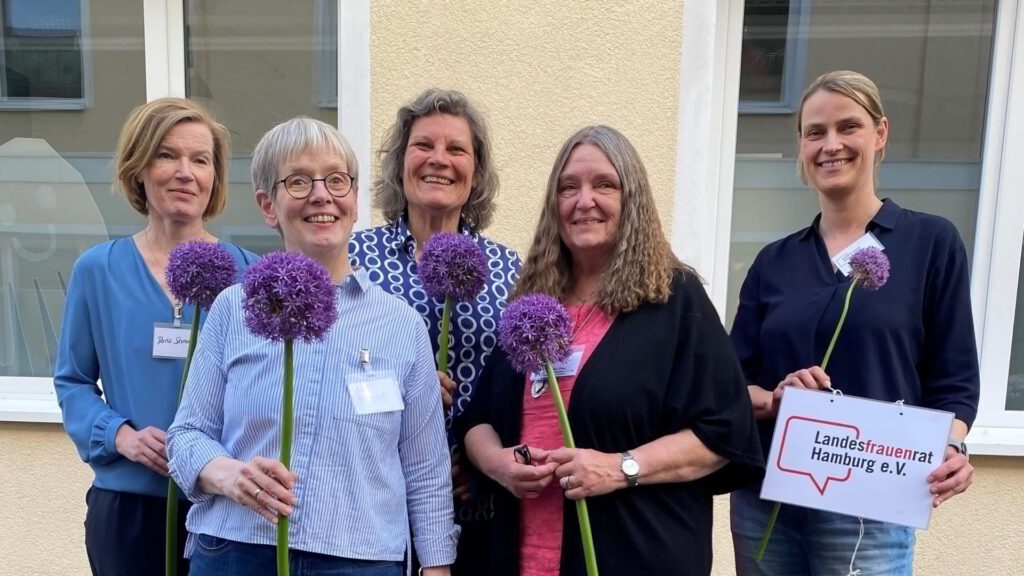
(55, 165)
(1015, 385)
(277, 62)
(931, 62)
(42, 54)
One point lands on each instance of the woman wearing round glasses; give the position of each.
(360, 478)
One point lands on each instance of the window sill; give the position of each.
(28, 400)
(995, 441)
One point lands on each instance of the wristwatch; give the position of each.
(959, 445)
(630, 469)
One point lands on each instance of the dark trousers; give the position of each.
(124, 533)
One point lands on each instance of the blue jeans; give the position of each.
(808, 541)
(215, 556)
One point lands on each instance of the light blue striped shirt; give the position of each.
(362, 479)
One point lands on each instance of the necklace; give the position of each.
(577, 325)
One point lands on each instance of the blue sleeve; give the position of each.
(423, 451)
(194, 437)
(746, 326)
(949, 361)
(90, 422)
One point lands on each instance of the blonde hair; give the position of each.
(143, 133)
(642, 263)
(388, 188)
(856, 87)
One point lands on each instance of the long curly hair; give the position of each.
(642, 263)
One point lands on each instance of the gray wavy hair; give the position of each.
(388, 189)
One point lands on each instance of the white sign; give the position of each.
(855, 456)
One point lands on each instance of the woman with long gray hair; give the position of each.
(656, 399)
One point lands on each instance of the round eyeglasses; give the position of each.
(299, 186)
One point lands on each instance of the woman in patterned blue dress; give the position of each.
(437, 175)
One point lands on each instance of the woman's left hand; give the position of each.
(447, 390)
(583, 472)
(952, 478)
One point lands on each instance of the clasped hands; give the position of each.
(580, 472)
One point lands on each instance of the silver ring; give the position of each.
(565, 482)
(256, 494)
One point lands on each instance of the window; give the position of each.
(773, 55)
(55, 173)
(43, 55)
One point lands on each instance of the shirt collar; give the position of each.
(404, 238)
(359, 278)
(885, 218)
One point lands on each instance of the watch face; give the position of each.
(630, 467)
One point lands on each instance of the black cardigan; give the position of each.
(659, 369)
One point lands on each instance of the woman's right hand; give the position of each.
(813, 378)
(147, 447)
(262, 484)
(522, 480)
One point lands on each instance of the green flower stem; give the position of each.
(442, 338)
(287, 410)
(824, 363)
(839, 326)
(171, 524)
(581, 505)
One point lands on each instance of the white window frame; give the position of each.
(35, 104)
(32, 399)
(705, 162)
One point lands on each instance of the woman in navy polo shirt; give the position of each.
(912, 340)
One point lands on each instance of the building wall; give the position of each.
(539, 71)
(43, 485)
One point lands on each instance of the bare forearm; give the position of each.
(678, 457)
(761, 402)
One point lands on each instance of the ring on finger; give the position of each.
(565, 482)
(256, 494)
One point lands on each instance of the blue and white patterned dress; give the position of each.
(388, 254)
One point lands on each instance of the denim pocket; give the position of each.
(211, 544)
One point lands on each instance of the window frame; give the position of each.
(37, 104)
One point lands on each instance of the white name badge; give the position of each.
(373, 392)
(170, 341)
(842, 260)
(567, 367)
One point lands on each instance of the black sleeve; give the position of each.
(708, 392)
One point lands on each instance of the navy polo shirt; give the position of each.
(912, 340)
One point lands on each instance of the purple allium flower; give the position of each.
(452, 265)
(198, 271)
(534, 328)
(288, 296)
(870, 267)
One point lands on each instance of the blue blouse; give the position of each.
(388, 254)
(113, 301)
(912, 340)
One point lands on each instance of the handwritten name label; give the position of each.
(170, 341)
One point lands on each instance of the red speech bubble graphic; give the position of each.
(797, 424)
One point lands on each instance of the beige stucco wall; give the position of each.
(43, 484)
(539, 71)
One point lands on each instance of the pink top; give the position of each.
(541, 517)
